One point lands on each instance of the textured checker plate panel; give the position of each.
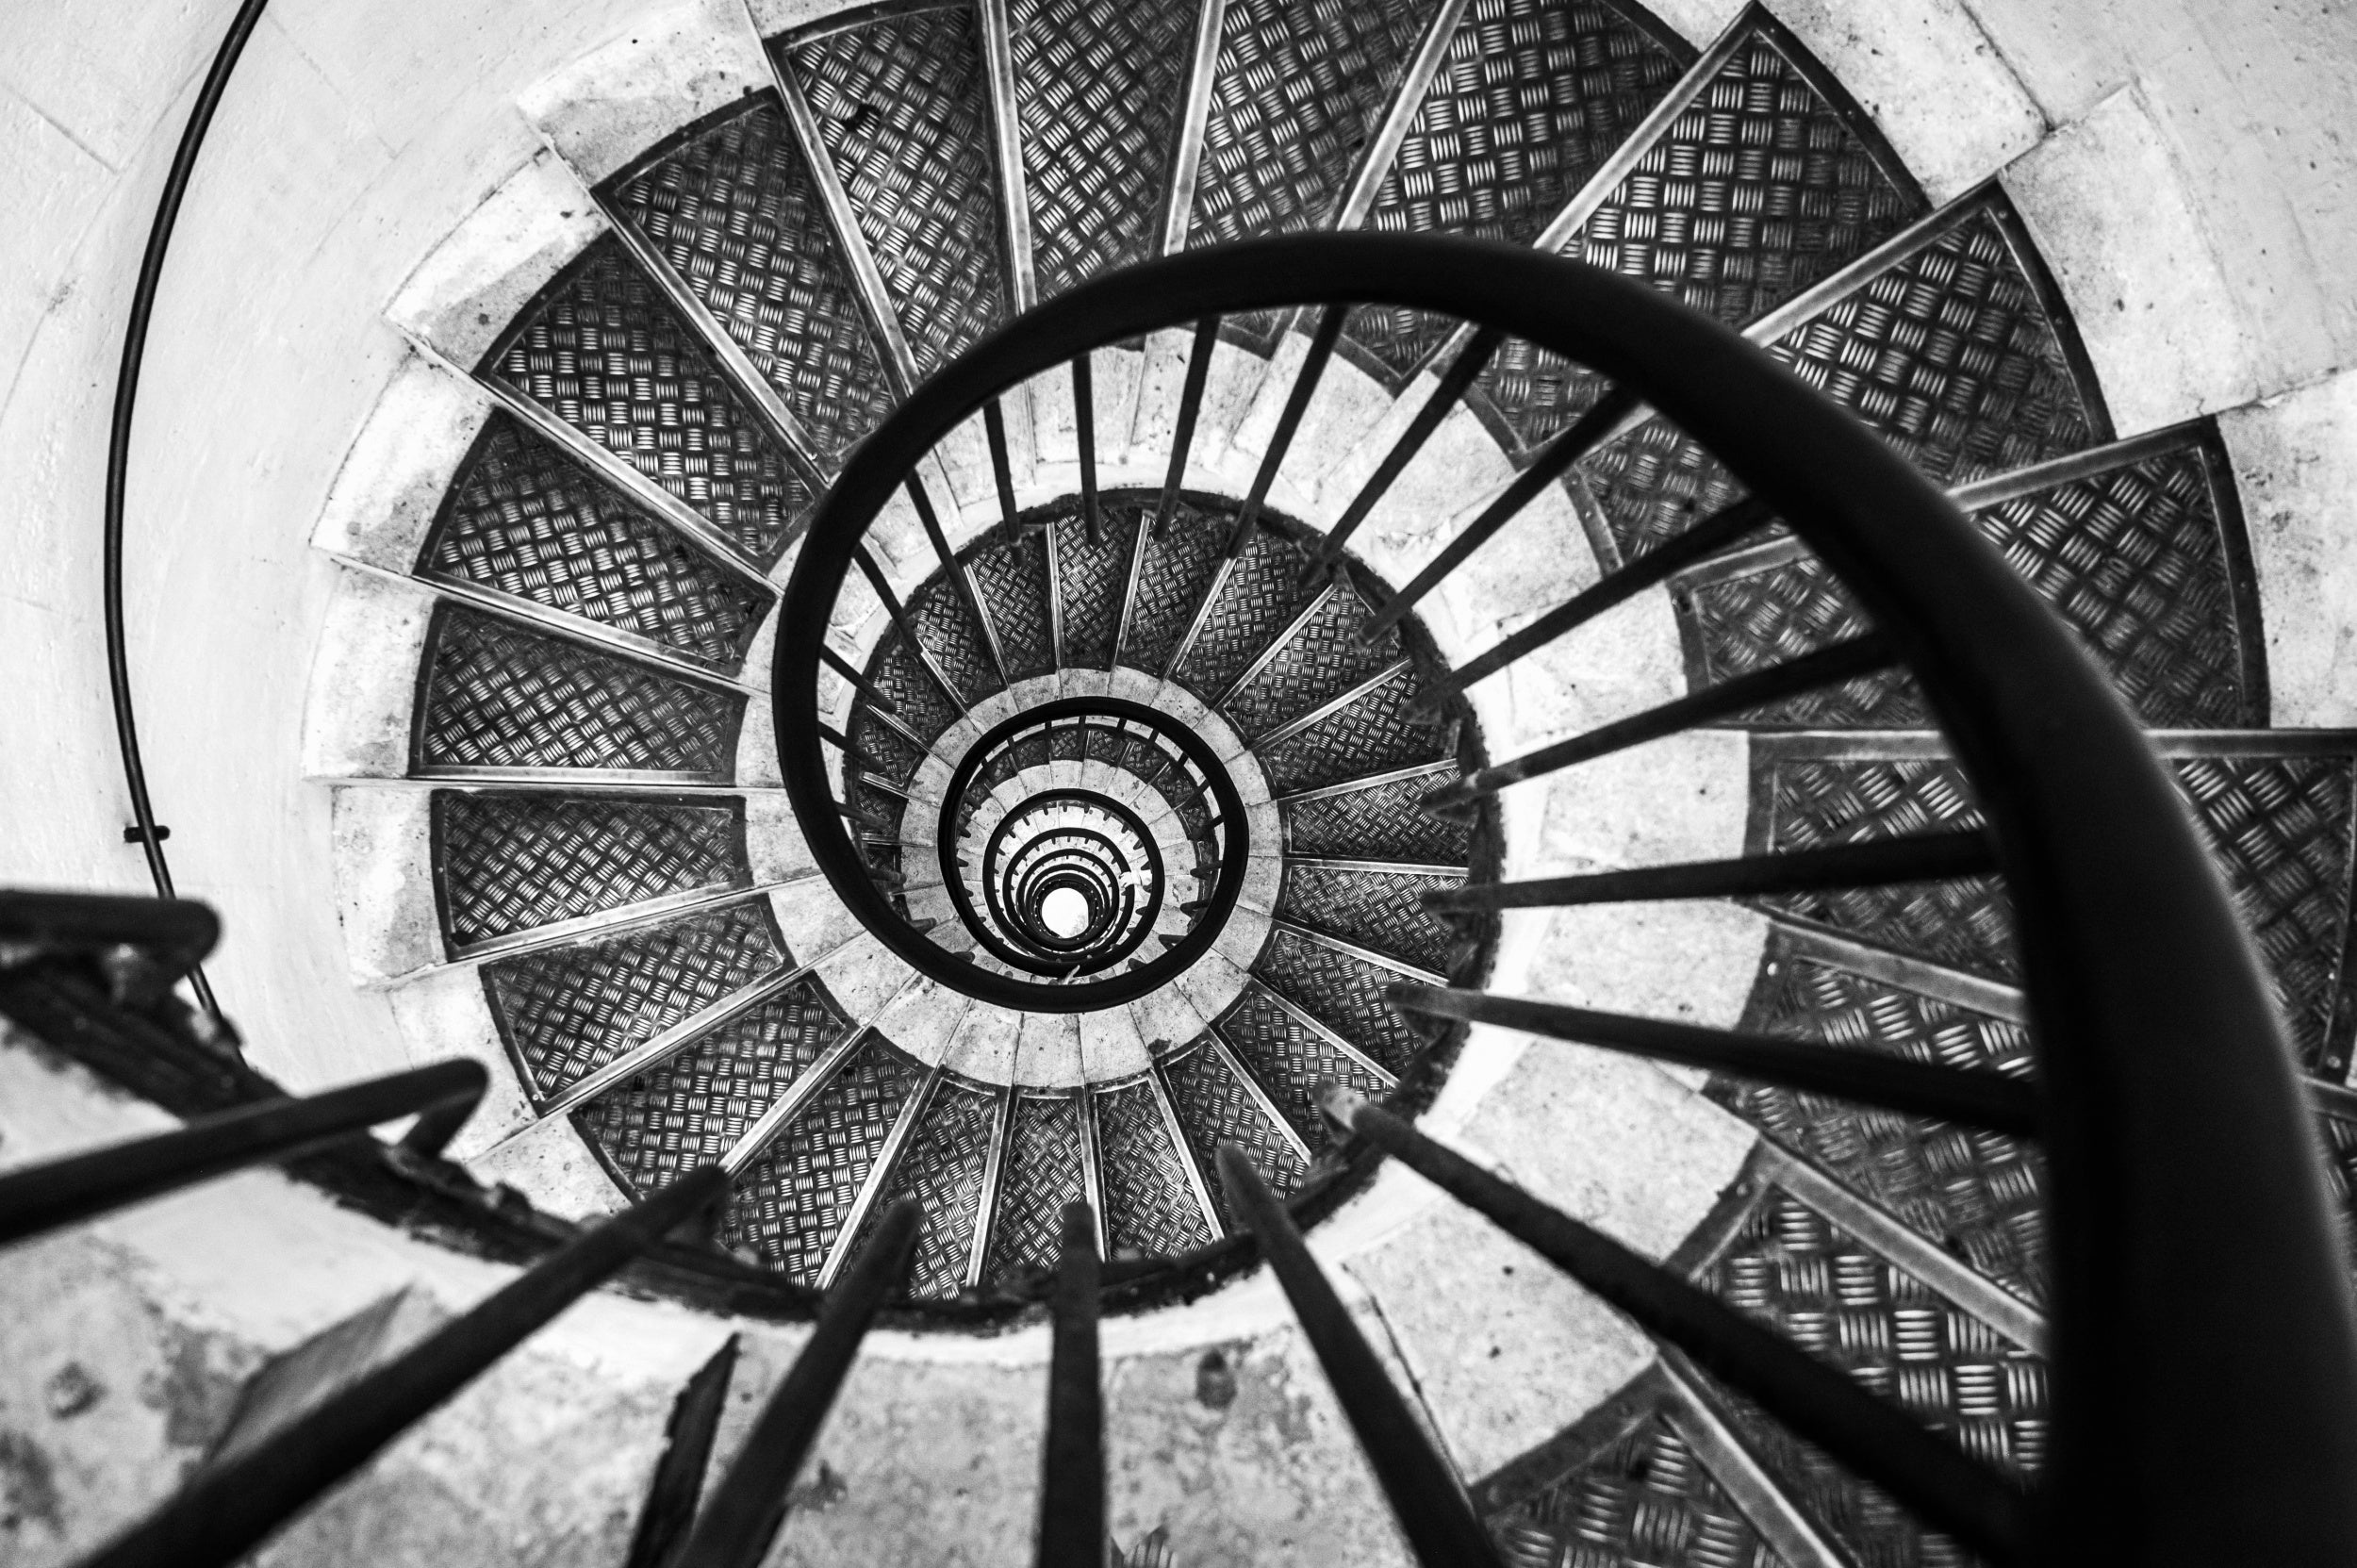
(1814, 1284)
(1151, 1210)
(1177, 568)
(1950, 353)
(1259, 599)
(1097, 83)
(1383, 821)
(737, 214)
(1377, 910)
(1216, 1108)
(1323, 660)
(1092, 579)
(694, 1108)
(1345, 993)
(526, 521)
(1011, 579)
(790, 1202)
(604, 351)
(1643, 1500)
(1290, 1060)
(512, 862)
(497, 696)
(567, 1012)
(942, 1168)
(1374, 735)
(1040, 1173)
(903, 112)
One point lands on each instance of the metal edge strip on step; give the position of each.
(661, 1048)
(650, 497)
(548, 781)
(584, 928)
(1904, 1248)
(1371, 780)
(1201, 618)
(781, 1112)
(1782, 1527)
(1779, 746)
(1747, 562)
(1093, 1167)
(998, 34)
(900, 363)
(1139, 533)
(1406, 104)
(1177, 1131)
(1219, 1047)
(1374, 868)
(1186, 167)
(1055, 595)
(715, 780)
(1277, 645)
(1812, 945)
(567, 626)
(1332, 705)
(1823, 295)
(1351, 949)
(880, 1173)
(2071, 466)
(1285, 1005)
(744, 378)
(993, 1179)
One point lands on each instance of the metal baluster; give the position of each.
(1705, 538)
(740, 1521)
(1842, 661)
(1432, 1509)
(1895, 1082)
(850, 747)
(679, 1475)
(82, 1186)
(1084, 430)
(900, 615)
(867, 688)
(1305, 387)
(955, 570)
(1950, 1489)
(226, 1508)
(1190, 407)
(1470, 362)
(1554, 460)
(1072, 1463)
(1932, 857)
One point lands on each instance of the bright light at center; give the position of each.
(1064, 910)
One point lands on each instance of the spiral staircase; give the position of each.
(1164, 712)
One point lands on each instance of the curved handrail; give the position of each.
(118, 450)
(2205, 1383)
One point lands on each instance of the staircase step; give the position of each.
(1290, 1059)
(788, 1205)
(1152, 1209)
(1344, 991)
(499, 696)
(1217, 1105)
(903, 115)
(1371, 733)
(1176, 571)
(1260, 596)
(1320, 658)
(943, 1167)
(1039, 1173)
(1377, 910)
(602, 350)
(1379, 821)
(736, 210)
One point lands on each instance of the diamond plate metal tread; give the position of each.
(919, 702)
(509, 863)
(2281, 829)
(1377, 910)
(1177, 568)
(788, 1204)
(1097, 88)
(1958, 353)
(2143, 558)
(1321, 661)
(1790, 1268)
(1300, 86)
(1263, 594)
(604, 350)
(1290, 1060)
(1150, 1208)
(1092, 579)
(497, 695)
(904, 113)
(1740, 624)
(694, 1108)
(567, 1012)
(1373, 735)
(1216, 1108)
(1644, 1498)
(1345, 993)
(1384, 821)
(736, 210)
(950, 633)
(1531, 97)
(1967, 924)
(1011, 579)
(1039, 1173)
(947, 1153)
(524, 518)
(1978, 1195)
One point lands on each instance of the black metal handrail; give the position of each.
(2190, 1219)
